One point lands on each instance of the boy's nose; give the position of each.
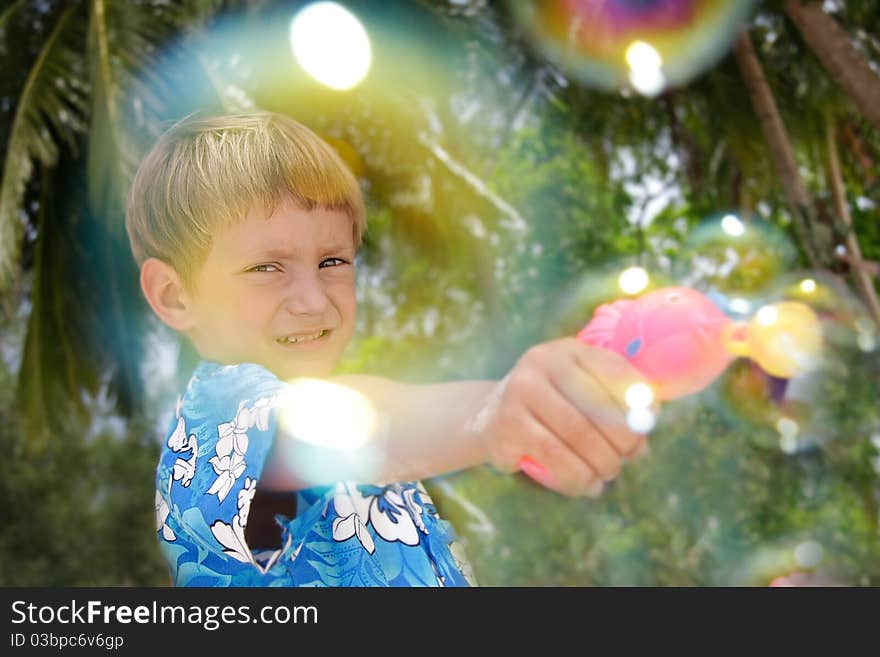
(306, 296)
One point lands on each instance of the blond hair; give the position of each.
(206, 173)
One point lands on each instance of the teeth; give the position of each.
(294, 339)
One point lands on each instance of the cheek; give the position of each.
(343, 296)
(347, 310)
(240, 310)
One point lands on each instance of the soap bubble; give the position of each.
(644, 45)
(832, 401)
(734, 259)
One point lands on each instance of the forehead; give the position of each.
(288, 229)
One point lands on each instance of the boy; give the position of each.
(245, 228)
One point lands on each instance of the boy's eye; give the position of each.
(332, 262)
(264, 268)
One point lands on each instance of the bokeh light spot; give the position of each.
(641, 55)
(767, 316)
(808, 286)
(639, 395)
(808, 554)
(788, 444)
(328, 415)
(740, 306)
(641, 420)
(732, 225)
(331, 45)
(787, 427)
(645, 72)
(866, 342)
(648, 82)
(633, 280)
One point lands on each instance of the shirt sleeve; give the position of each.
(213, 457)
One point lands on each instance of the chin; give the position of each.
(287, 372)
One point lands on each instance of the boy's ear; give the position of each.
(166, 294)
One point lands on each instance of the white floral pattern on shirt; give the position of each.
(231, 536)
(229, 463)
(391, 510)
(179, 442)
(162, 512)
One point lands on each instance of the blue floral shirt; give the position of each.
(347, 534)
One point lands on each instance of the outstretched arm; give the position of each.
(423, 431)
(561, 405)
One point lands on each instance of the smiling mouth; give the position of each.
(302, 339)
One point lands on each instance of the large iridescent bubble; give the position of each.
(646, 45)
(834, 401)
(733, 258)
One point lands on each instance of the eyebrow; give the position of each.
(274, 253)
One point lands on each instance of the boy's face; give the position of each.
(278, 292)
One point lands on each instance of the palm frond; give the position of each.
(126, 44)
(56, 361)
(8, 12)
(47, 111)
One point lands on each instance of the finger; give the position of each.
(639, 450)
(625, 386)
(563, 470)
(617, 373)
(569, 424)
(582, 390)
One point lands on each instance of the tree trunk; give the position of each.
(838, 55)
(835, 179)
(685, 146)
(856, 146)
(777, 138)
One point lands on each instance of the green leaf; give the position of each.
(43, 109)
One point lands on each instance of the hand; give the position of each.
(562, 408)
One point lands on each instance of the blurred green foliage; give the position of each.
(503, 201)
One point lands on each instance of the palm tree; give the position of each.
(89, 99)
